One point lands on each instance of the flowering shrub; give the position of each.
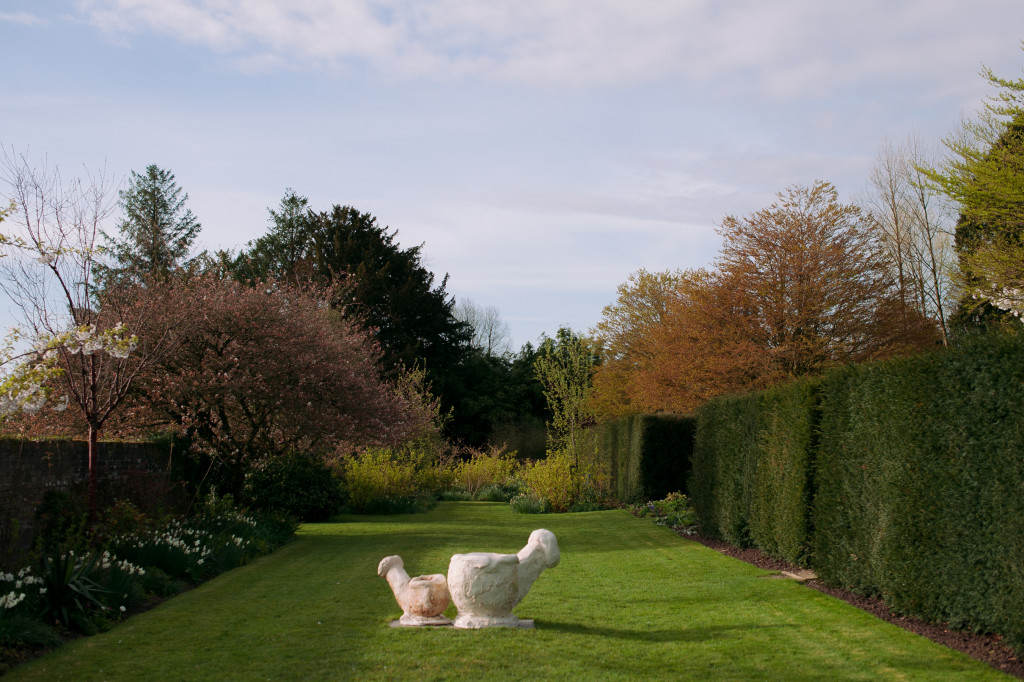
(19, 612)
(85, 590)
(551, 480)
(485, 469)
(179, 550)
(120, 580)
(16, 588)
(564, 486)
(675, 511)
(386, 482)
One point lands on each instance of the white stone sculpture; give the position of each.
(423, 599)
(486, 587)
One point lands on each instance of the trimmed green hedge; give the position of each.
(780, 505)
(724, 464)
(920, 480)
(648, 455)
(751, 469)
(902, 479)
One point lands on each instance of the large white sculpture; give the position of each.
(423, 599)
(486, 587)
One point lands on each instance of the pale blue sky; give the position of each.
(541, 149)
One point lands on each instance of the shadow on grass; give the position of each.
(701, 634)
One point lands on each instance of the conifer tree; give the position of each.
(156, 232)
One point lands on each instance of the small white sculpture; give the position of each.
(486, 587)
(422, 598)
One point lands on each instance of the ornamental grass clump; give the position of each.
(69, 590)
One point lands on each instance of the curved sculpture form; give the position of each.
(423, 599)
(486, 587)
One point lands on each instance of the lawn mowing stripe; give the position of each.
(630, 600)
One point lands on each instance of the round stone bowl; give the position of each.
(484, 587)
(427, 596)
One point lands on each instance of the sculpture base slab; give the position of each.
(525, 623)
(463, 622)
(421, 622)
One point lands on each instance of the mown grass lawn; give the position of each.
(629, 601)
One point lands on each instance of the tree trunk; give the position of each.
(93, 475)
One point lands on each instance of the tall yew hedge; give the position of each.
(648, 455)
(920, 484)
(724, 464)
(780, 506)
(751, 469)
(902, 479)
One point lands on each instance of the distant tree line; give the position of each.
(322, 335)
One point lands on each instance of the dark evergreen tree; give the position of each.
(391, 292)
(498, 399)
(156, 232)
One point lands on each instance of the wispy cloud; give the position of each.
(562, 42)
(22, 18)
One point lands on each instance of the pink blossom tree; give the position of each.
(272, 368)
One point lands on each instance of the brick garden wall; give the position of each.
(28, 469)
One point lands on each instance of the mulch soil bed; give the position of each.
(987, 648)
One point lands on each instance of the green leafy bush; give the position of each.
(528, 503)
(299, 483)
(155, 581)
(62, 519)
(19, 628)
(675, 511)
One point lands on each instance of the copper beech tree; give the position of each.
(678, 343)
(812, 280)
(270, 368)
(798, 286)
